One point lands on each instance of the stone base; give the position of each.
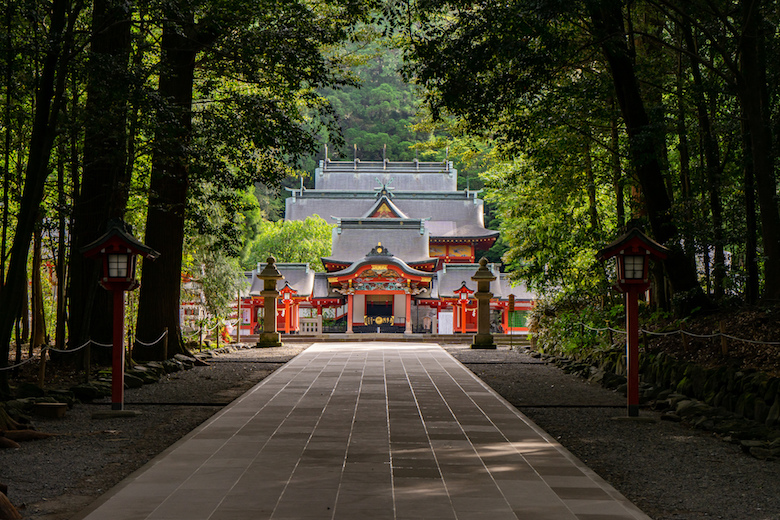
(635, 419)
(50, 410)
(269, 339)
(484, 341)
(116, 414)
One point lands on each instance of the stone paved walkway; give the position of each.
(366, 431)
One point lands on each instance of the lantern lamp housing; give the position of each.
(118, 250)
(634, 267)
(463, 292)
(633, 252)
(118, 265)
(287, 293)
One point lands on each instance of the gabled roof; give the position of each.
(118, 232)
(384, 208)
(452, 277)
(634, 239)
(450, 230)
(406, 238)
(365, 175)
(380, 255)
(299, 276)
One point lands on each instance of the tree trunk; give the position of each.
(7, 510)
(711, 167)
(105, 183)
(617, 170)
(754, 97)
(751, 228)
(9, 56)
(683, 148)
(38, 328)
(593, 211)
(608, 23)
(47, 106)
(159, 300)
(24, 312)
(59, 331)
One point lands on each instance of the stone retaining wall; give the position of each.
(742, 406)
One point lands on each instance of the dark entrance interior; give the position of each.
(378, 308)
(379, 314)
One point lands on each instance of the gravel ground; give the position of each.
(669, 471)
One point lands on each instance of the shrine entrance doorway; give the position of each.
(384, 312)
(379, 306)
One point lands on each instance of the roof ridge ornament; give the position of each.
(379, 250)
(384, 189)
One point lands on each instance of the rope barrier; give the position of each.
(751, 341)
(153, 343)
(686, 333)
(68, 351)
(17, 365)
(73, 350)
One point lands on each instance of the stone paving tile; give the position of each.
(391, 431)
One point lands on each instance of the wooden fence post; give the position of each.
(724, 344)
(684, 338)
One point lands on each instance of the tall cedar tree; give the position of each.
(104, 181)
(752, 88)
(280, 46)
(607, 20)
(159, 301)
(48, 102)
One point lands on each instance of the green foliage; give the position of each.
(569, 150)
(221, 279)
(545, 228)
(573, 325)
(299, 241)
(378, 114)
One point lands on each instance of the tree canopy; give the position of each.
(607, 114)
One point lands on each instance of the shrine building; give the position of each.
(405, 246)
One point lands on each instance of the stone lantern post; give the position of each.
(269, 275)
(483, 277)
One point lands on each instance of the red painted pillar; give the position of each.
(463, 317)
(408, 329)
(632, 354)
(286, 317)
(349, 314)
(118, 358)
(296, 321)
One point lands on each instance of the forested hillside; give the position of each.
(376, 117)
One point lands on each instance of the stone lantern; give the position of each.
(270, 275)
(483, 277)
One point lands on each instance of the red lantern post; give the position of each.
(633, 251)
(287, 293)
(117, 250)
(463, 293)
